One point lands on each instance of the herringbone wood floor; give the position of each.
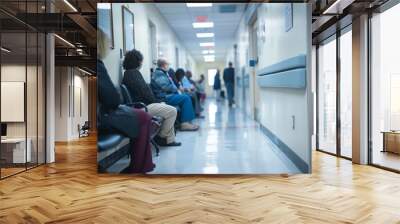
(71, 191)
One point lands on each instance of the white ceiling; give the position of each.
(180, 18)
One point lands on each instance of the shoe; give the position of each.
(173, 144)
(200, 116)
(160, 141)
(186, 126)
(163, 142)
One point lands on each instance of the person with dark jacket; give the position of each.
(217, 86)
(133, 123)
(229, 80)
(172, 74)
(165, 90)
(114, 117)
(141, 92)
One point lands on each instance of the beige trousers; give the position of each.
(168, 113)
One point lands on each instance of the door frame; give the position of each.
(253, 45)
(338, 34)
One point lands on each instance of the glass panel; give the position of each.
(41, 98)
(346, 94)
(13, 87)
(327, 96)
(31, 98)
(385, 87)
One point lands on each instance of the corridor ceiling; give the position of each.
(225, 16)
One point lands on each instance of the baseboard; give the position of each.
(299, 162)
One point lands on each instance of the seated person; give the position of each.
(131, 122)
(165, 90)
(141, 92)
(171, 74)
(195, 85)
(188, 88)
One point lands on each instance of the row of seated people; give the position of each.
(163, 98)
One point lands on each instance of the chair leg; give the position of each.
(155, 146)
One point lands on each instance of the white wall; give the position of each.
(166, 40)
(67, 114)
(278, 105)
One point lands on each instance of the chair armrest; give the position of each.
(138, 105)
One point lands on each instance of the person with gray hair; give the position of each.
(165, 90)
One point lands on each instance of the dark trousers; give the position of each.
(141, 157)
(230, 91)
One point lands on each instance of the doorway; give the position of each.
(253, 70)
(334, 94)
(153, 44)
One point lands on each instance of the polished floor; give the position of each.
(228, 142)
(71, 191)
(386, 159)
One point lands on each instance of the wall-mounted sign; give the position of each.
(288, 16)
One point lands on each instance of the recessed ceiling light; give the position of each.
(5, 50)
(198, 4)
(70, 5)
(207, 44)
(203, 25)
(209, 56)
(208, 52)
(204, 35)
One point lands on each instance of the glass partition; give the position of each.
(22, 89)
(14, 145)
(326, 135)
(385, 89)
(346, 93)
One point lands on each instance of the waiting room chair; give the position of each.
(156, 121)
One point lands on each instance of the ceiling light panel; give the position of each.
(192, 5)
(70, 5)
(204, 35)
(5, 50)
(209, 56)
(203, 25)
(207, 44)
(65, 41)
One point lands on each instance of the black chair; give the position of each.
(111, 147)
(156, 121)
(83, 130)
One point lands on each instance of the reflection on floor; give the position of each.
(386, 159)
(228, 143)
(5, 172)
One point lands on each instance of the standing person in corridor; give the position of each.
(229, 80)
(217, 86)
